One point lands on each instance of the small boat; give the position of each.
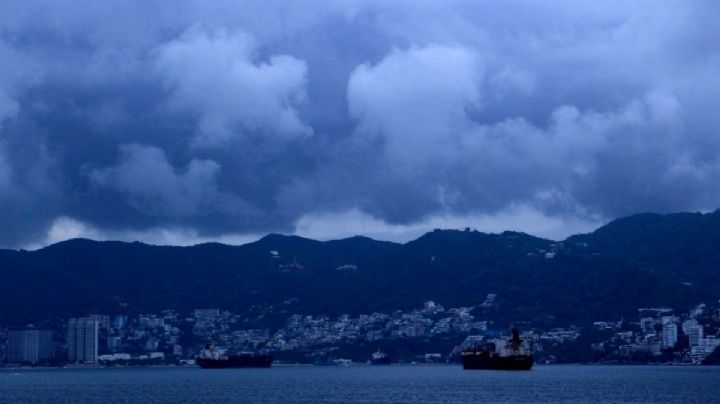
(512, 355)
(380, 358)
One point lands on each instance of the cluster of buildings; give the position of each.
(172, 337)
(662, 335)
(93, 340)
(302, 332)
(35, 346)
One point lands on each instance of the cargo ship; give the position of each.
(512, 354)
(213, 359)
(380, 358)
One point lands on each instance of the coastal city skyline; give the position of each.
(359, 201)
(286, 280)
(656, 335)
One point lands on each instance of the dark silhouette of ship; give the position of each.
(211, 359)
(512, 355)
(380, 358)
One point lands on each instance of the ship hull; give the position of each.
(482, 361)
(264, 361)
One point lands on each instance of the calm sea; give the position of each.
(364, 384)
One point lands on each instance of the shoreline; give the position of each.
(305, 365)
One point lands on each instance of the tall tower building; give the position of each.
(29, 346)
(82, 340)
(669, 335)
(695, 335)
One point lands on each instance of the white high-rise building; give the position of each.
(669, 335)
(29, 346)
(695, 335)
(82, 339)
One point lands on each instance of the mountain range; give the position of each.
(638, 261)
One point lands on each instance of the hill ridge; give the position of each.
(640, 260)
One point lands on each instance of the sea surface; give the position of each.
(364, 384)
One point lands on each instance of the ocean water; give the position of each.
(364, 384)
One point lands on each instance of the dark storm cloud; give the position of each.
(131, 118)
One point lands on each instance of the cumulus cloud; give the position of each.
(195, 121)
(216, 76)
(418, 99)
(564, 165)
(151, 185)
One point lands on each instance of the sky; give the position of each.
(192, 121)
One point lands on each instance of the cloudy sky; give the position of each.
(188, 121)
